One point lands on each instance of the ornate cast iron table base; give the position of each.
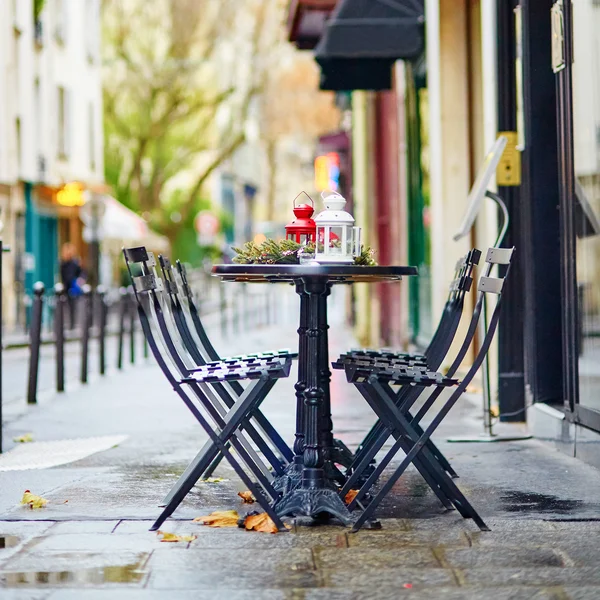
(310, 485)
(314, 498)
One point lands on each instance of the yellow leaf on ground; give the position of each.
(350, 496)
(23, 439)
(32, 500)
(261, 522)
(212, 480)
(173, 537)
(223, 518)
(247, 497)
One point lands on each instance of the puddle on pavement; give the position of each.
(93, 576)
(514, 501)
(8, 541)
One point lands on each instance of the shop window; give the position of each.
(586, 142)
(63, 123)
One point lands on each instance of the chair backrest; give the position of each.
(177, 311)
(453, 309)
(487, 285)
(141, 266)
(206, 344)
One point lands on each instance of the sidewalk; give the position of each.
(92, 539)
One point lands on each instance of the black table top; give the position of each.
(340, 273)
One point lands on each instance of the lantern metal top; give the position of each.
(334, 210)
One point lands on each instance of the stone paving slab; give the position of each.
(537, 502)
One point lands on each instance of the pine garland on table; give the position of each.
(286, 252)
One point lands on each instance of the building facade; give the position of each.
(529, 70)
(51, 134)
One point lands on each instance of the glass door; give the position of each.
(576, 62)
(586, 201)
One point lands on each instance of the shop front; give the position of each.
(562, 321)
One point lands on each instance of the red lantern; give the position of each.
(302, 229)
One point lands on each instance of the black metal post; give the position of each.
(244, 296)
(59, 335)
(223, 309)
(102, 311)
(235, 309)
(35, 333)
(511, 384)
(3, 249)
(541, 239)
(86, 321)
(132, 319)
(1, 328)
(123, 309)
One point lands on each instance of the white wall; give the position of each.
(73, 64)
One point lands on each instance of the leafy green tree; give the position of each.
(170, 120)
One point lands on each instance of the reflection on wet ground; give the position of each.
(131, 573)
(8, 541)
(514, 501)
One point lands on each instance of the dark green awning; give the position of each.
(363, 39)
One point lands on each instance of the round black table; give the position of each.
(311, 483)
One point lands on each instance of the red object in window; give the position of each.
(302, 229)
(332, 236)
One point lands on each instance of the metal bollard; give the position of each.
(223, 305)
(59, 335)
(86, 322)
(3, 249)
(235, 309)
(245, 306)
(35, 333)
(102, 314)
(269, 303)
(123, 308)
(132, 319)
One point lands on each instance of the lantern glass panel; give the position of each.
(336, 235)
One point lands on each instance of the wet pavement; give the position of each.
(92, 539)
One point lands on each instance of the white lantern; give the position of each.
(338, 241)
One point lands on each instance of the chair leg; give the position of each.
(229, 423)
(219, 442)
(400, 422)
(425, 467)
(193, 477)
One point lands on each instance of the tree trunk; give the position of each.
(271, 152)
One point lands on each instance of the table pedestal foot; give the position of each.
(341, 454)
(333, 474)
(291, 478)
(313, 498)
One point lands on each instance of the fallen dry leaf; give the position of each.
(247, 497)
(172, 537)
(261, 522)
(350, 496)
(213, 480)
(23, 439)
(32, 500)
(222, 518)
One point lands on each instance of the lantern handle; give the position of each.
(300, 194)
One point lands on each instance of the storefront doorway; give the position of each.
(576, 28)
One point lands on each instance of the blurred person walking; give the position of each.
(72, 278)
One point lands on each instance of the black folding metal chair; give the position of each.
(199, 348)
(432, 359)
(373, 383)
(195, 386)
